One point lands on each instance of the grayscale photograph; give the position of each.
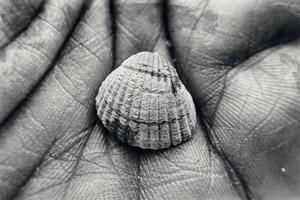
(149, 99)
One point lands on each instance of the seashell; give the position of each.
(144, 104)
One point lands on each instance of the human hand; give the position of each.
(238, 59)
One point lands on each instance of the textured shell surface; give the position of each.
(144, 103)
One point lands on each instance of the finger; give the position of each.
(110, 170)
(107, 169)
(57, 118)
(138, 27)
(257, 122)
(15, 16)
(26, 59)
(211, 37)
(189, 171)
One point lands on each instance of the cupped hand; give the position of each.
(239, 60)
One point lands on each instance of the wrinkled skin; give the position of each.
(239, 59)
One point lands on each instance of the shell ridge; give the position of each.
(116, 91)
(139, 108)
(107, 83)
(155, 62)
(149, 135)
(131, 95)
(185, 121)
(167, 103)
(144, 110)
(109, 90)
(176, 136)
(108, 103)
(173, 83)
(165, 136)
(158, 112)
(192, 115)
(153, 137)
(179, 103)
(101, 93)
(120, 98)
(170, 132)
(111, 115)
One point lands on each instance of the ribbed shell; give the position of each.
(144, 103)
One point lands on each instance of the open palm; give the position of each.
(239, 59)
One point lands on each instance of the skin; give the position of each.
(239, 59)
